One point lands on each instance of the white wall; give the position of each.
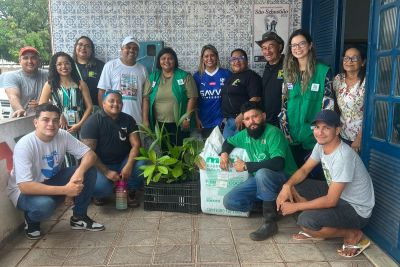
(10, 217)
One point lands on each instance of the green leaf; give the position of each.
(167, 160)
(148, 172)
(177, 171)
(162, 169)
(152, 156)
(142, 158)
(157, 177)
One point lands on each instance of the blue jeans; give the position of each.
(105, 187)
(264, 185)
(230, 128)
(38, 208)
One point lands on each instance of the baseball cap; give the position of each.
(28, 49)
(269, 36)
(330, 117)
(130, 39)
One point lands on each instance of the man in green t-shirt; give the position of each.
(270, 165)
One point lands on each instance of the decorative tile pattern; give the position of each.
(184, 25)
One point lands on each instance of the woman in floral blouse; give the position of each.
(349, 87)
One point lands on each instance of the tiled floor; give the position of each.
(152, 238)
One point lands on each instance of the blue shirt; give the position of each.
(209, 101)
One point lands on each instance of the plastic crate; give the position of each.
(177, 197)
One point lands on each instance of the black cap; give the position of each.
(330, 117)
(268, 36)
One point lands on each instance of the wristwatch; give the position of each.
(244, 167)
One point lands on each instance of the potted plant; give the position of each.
(171, 173)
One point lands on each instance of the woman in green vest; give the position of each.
(307, 90)
(169, 90)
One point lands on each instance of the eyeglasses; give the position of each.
(351, 59)
(87, 46)
(107, 92)
(233, 59)
(302, 44)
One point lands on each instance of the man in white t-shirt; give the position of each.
(338, 207)
(127, 76)
(38, 180)
(23, 87)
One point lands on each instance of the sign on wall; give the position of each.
(268, 18)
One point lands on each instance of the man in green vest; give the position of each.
(270, 165)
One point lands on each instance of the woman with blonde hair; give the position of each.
(307, 89)
(209, 79)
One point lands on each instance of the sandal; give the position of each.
(300, 236)
(358, 248)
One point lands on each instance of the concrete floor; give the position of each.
(151, 238)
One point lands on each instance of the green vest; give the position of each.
(303, 107)
(178, 89)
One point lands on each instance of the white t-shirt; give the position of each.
(345, 166)
(29, 86)
(37, 161)
(127, 79)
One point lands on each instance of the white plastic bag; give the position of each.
(216, 183)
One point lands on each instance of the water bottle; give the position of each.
(121, 194)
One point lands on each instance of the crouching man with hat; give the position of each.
(339, 206)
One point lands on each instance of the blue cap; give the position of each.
(330, 117)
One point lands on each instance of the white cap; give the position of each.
(130, 39)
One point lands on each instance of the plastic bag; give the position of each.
(216, 183)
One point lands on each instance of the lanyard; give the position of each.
(68, 94)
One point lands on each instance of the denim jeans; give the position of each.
(264, 185)
(230, 128)
(37, 208)
(104, 187)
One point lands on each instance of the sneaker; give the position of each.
(85, 223)
(32, 230)
(133, 201)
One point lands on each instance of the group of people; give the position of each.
(102, 104)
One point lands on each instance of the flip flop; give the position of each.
(305, 236)
(359, 247)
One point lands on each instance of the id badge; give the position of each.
(71, 117)
(315, 87)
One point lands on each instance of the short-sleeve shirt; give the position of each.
(345, 166)
(28, 85)
(351, 104)
(38, 161)
(129, 80)
(165, 102)
(239, 88)
(209, 102)
(112, 136)
(91, 75)
(271, 144)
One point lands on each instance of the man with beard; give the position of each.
(270, 166)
